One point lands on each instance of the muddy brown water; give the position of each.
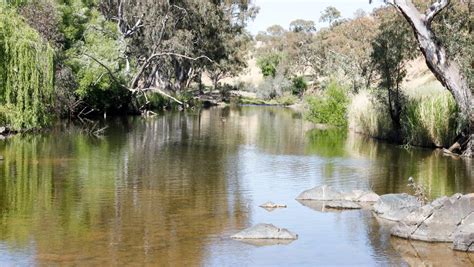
(170, 190)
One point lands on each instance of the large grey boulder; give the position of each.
(265, 231)
(395, 207)
(440, 221)
(463, 237)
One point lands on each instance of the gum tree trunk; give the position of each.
(445, 70)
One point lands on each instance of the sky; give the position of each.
(282, 12)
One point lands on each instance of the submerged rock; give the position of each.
(395, 207)
(341, 205)
(444, 220)
(271, 205)
(330, 206)
(327, 193)
(417, 253)
(265, 231)
(266, 242)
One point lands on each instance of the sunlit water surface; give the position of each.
(171, 190)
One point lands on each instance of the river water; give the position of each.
(170, 190)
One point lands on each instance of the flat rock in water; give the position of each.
(327, 193)
(444, 220)
(271, 205)
(265, 231)
(341, 205)
(321, 193)
(395, 207)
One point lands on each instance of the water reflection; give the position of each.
(171, 189)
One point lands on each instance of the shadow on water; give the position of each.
(172, 188)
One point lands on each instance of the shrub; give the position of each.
(299, 85)
(286, 99)
(330, 107)
(273, 87)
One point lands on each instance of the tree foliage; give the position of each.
(26, 72)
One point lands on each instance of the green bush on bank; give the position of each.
(330, 107)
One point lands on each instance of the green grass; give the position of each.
(429, 118)
(368, 116)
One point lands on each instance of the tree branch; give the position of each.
(107, 69)
(435, 9)
(148, 61)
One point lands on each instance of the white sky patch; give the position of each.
(282, 12)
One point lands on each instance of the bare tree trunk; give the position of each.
(445, 70)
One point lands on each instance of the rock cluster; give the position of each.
(447, 219)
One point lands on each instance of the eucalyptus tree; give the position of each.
(392, 48)
(170, 43)
(446, 70)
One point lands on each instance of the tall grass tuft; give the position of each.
(366, 115)
(430, 120)
(427, 120)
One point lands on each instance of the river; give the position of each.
(171, 190)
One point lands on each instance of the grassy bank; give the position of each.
(426, 120)
(429, 114)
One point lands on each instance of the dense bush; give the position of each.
(330, 107)
(299, 85)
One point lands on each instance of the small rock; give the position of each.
(3, 130)
(395, 207)
(1, 157)
(265, 231)
(271, 205)
(341, 205)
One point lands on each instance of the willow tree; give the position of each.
(26, 73)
